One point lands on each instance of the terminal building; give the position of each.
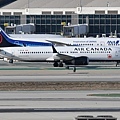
(101, 17)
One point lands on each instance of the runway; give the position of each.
(54, 104)
(65, 105)
(39, 72)
(59, 78)
(63, 110)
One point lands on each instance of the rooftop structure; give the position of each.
(18, 4)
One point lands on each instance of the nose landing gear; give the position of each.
(117, 63)
(74, 69)
(11, 61)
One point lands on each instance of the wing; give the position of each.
(58, 43)
(61, 56)
(64, 56)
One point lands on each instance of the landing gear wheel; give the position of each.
(55, 64)
(74, 69)
(60, 64)
(11, 61)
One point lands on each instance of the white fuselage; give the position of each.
(102, 41)
(46, 53)
(72, 41)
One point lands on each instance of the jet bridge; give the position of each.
(75, 30)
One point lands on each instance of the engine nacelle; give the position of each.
(78, 61)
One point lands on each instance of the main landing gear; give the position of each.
(60, 64)
(56, 64)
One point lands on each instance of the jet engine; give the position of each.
(78, 61)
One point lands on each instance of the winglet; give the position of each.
(54, 50)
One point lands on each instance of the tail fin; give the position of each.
(5, 40)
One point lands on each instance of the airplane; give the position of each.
(10, 41)
(83, 55)
(7, 41)
(70, 55)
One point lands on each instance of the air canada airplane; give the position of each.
(70, 55)
(7, 41)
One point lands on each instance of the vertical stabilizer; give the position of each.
(5, 40)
